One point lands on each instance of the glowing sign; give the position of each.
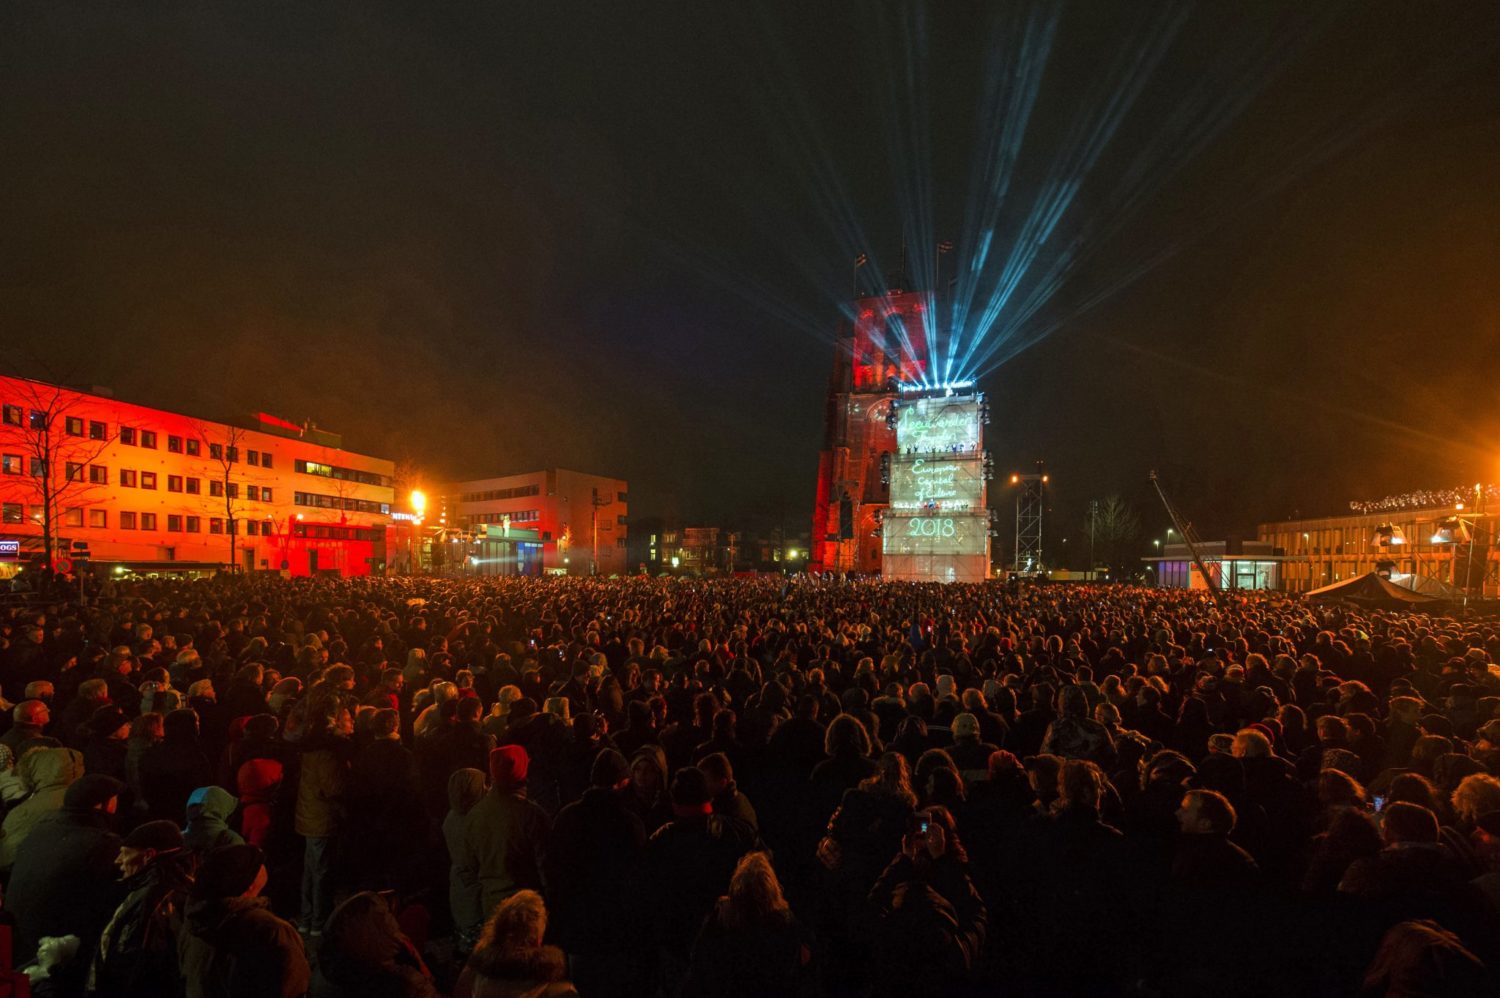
(938, 426)
(962, 533)
(936, 484)
(10, 549)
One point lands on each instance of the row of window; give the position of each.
(493, 494)
(177, 523)
(523, 516)
(343, 474)
(322, 501)
(132, 436)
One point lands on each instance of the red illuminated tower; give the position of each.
(885, 344)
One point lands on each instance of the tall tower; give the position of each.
(885, 345)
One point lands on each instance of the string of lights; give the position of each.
(1426, 499)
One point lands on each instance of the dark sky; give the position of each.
(492, 236)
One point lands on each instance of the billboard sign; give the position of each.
(936, 484)
(941, 425)
(959, 533)
(10, 550)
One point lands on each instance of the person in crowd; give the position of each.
(320, 807)
(137, 952)
(465, 897)
(505, 836)
(383, 784)
(176, 766)
(364, 954)
(208, 812)
(47, 774)
(592, 855)
(511, 958)
(231, 944)
(1206, 858)
(751, 944)
(63, 882)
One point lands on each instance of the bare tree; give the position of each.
(223, 442)
(1114, 528)
(56, 444)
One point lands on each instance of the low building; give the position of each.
(1230, 564)
(1431, 535)
(579, 523)
(153, 491)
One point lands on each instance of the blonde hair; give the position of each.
(1251, 744)
(1477, 794)
(558, 707)
(755, 896)
(518, 923)
(506, 696)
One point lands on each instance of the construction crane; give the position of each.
(1190, 537)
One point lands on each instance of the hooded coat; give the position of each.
(137, 953)
(236, 948)
(259, 783)
(209, 810)
(364, 954)
(48, 772)
(64, 881)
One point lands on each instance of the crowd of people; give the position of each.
(252, 786)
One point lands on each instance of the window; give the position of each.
(252, 527)
(11, 464)
(38, 420)
(265, 493)
(622, 497)
(215, 525)
(98, 474)
(174, 444)
(194, 486)
(127, 478)
(14, 414)
(334, 502)
(516, 493)
(621, 519)
(148, 479)
(216, 451)
(232, 525)
(75, 471)
(12, 512)
(193, 524)
(127, 521)
(174, 483)
(265, 459)
(38, 468)
(73, 516)
(148, 521)
(193, 448)
(215, 488)
(148, 439)
(233, 489)
(74, 426)
(252, 492)
(97, 430)
(98, 517)
(252, 458)
(350, 475)
(127, 435)
(234, 455)
(36, 514)
(174, 523)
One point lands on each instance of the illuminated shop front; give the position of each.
(1250, 566)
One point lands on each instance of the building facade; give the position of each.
(1230, 564)
(882, 347)
(1452, 543)
(580, 521)
(147, 490)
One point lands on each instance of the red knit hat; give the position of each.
(508, 766)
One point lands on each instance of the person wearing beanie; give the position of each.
(231, 945)
(105, 738)
(137, 952)
(64, 879)
(595, 845)
(505, 835)
(686, 866)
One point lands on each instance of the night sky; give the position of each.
(495, 236)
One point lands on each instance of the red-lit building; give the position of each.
(151, 491)
(885, 344)
(565, 522)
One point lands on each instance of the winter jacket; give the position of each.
(932, 924)
(532, 973)
(364, 954)
(591, 860)
(209, 810)
(170, 771)
(137, 953)
(259, 783)
(734, 961)
(48, 772)
(236, 948)
(321, 786)
(687, 865)
(64, 881)
(503, 847)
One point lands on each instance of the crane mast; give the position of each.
(1189, 536)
